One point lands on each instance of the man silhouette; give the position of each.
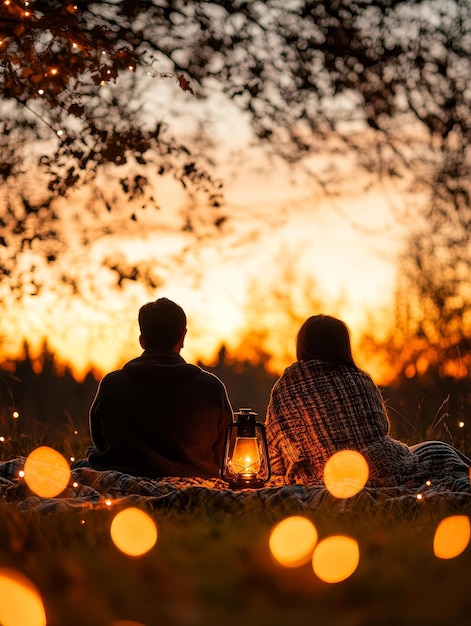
(158, 415)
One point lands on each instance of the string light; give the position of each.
(47, 472)
(335, 558)
(54, 71)
(452, 536)
(15, 415)
(428, 483)
(133, 532)
(460, 424)
(41, 92)
(108, 502)
(72, 458)
(21, 600)
(60, 132)
(419, 496)
(2, 438)
(292, 541)
(75, 484)
(21, 474)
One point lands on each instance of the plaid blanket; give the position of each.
(90, 489)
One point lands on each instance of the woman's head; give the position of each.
(325, 338)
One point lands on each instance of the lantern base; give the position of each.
(246, 483)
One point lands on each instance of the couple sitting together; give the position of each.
(159, 416)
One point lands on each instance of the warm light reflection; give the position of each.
(346, 473)
(133, 532)
(335, 558)
(292, 541)
(46, 472)
(126, 622)
(245, 459)
(21, 603)
(452, 536)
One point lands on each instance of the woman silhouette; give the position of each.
(324, 403)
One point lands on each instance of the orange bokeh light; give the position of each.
(21, 603)
(133, 532)
(335, 558)
(346, 473)
(292, 541)
(46, 472)
(452, 536)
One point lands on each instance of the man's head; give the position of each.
(163, 325)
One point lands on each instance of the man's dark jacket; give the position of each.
(159, 416)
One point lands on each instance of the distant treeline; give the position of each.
(52, 401)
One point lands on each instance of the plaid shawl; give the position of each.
(318, 408)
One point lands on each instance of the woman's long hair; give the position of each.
(325, 338)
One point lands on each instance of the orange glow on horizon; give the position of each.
(86, 351)
(236, 289)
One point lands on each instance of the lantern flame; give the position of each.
(246, 457)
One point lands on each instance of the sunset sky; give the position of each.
(280, 225)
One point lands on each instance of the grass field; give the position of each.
(210, 570)
(213, 569)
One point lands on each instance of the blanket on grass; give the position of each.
(89, 488)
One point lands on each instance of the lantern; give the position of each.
(246, 463)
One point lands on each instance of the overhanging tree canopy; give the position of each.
(384, 79)
(306, 72)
